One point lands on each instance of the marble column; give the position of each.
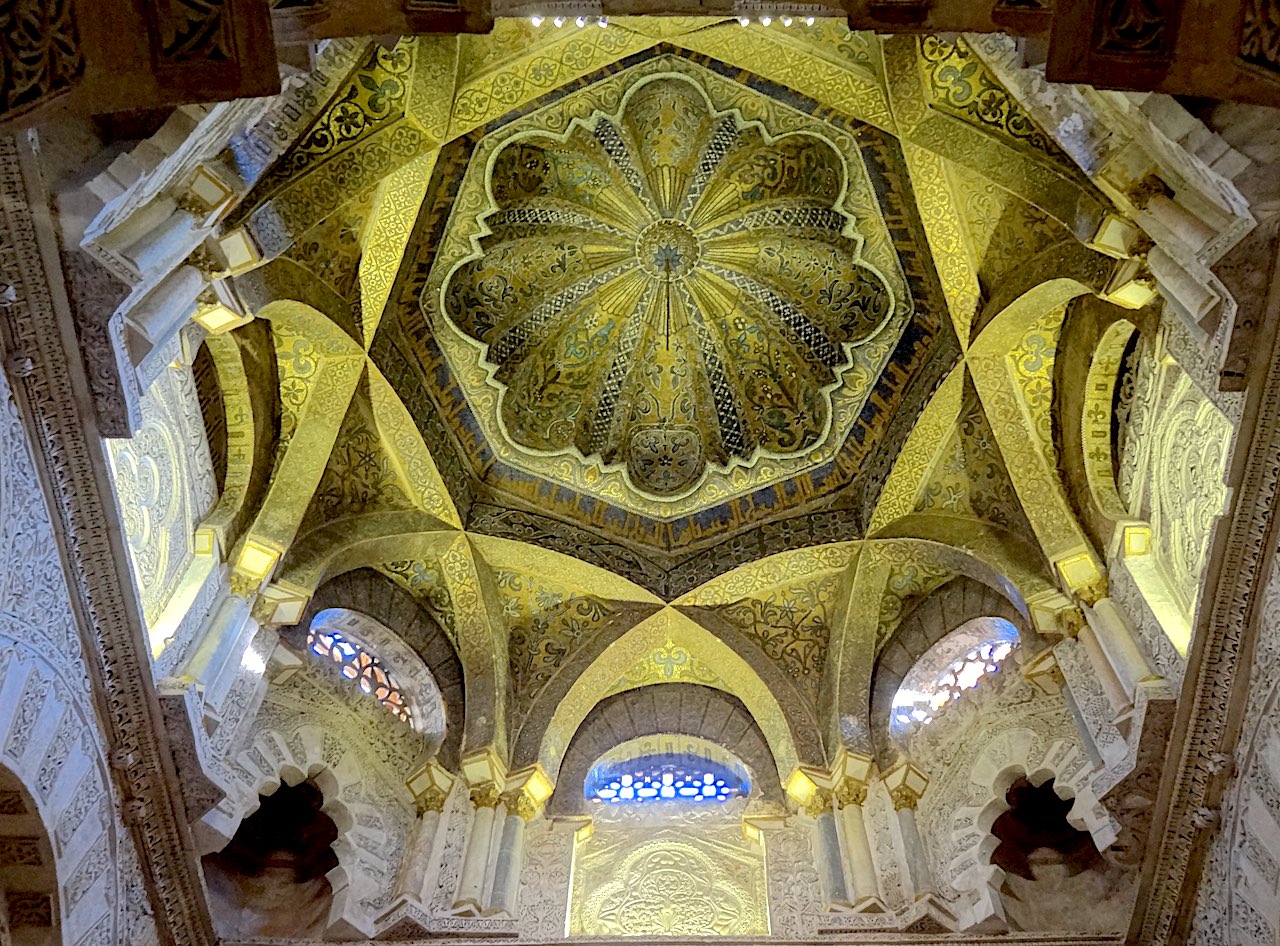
(419, 852)
(475, 863)
(1120, 700)
(830, 867)
(1121, 648)
(506, 880)
(850, 796)
(918, 875)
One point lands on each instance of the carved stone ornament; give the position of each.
(70, 460)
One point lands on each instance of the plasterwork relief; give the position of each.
(315, 723)
(698, 878)
(543, 901)
(545, 624)
(50, 732)
(670, 646)
(42, 53)
(1155, 642)
(823, 61)
(489, 87)
(954, 256)
(607, 481)
(164, 482)
(669, 663)
(969, 476)
(424, 579)
(792, 625)
(388, 234)
(960, 84)
(361, 476)
(1011, 365)
(1187, 491)
(795, 894)
(360, 137)
(1002, 230)
(1236, 903)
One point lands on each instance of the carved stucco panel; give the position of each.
(164, 482)
(58, 752)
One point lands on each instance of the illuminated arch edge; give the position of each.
(1099, 392)
(615, 473)
(605, 676)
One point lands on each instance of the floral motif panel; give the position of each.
(667, 287)
(690, 876)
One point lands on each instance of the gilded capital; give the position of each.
(818, 802)
(485, 795)
(903, 797)
(849, 791)
(519, 803)
(432, 799)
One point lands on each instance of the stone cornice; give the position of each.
(54, 400)
(1216, 685)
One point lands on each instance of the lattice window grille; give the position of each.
(356, 663)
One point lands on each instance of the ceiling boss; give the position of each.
(667, 288)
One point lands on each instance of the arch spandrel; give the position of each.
(663, 632)
(514, 555)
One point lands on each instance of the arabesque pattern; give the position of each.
(668, 287)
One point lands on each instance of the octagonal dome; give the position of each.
(667, 288)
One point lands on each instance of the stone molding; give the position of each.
(1216, 687)
(54, 401)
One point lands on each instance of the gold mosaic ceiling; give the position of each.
(674, 296)
(666, 289)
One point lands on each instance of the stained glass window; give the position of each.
(356, 663)
(689, 774)
(957, 663)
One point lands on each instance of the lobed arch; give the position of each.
(655, 651)
(1011, 754)
(684, 709)
(370, 806)
(28, 868)
(58, 799)
(405, 621)
(933, 619)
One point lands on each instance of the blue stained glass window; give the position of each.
(665, 778)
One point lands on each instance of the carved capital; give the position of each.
(485, 795)
(819, 802)
(1094, 591)
(903, 797)
(432, 799)
(519, 803)
(850, 792)
(1141, 192)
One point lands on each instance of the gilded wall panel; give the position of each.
(668, 880)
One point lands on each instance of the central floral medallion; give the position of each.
(667, 288)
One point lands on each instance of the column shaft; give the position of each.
(858, 847)
(475, 864)
(506, 879)
(417, 856)
(1111, 685)
(1118, 643)
(830, 870)
(921, 877)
